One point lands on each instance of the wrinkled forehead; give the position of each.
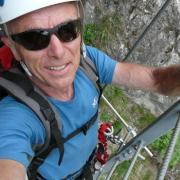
(46, 17)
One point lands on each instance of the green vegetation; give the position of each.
(161, 145)
(175, 161)
(99, 35)
(120, 170)
(132, 113)
(139, 117)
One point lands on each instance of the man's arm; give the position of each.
(164, 80)
(10, 169)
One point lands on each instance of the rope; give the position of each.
(170, 150)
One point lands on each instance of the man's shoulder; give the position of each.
(93, 52)
(10, 107)
(10, 102)
(97, 55)
(15, 116)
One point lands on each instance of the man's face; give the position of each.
(53, 67)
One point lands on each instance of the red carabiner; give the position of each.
(102, 154)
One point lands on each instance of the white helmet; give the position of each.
(11, 9)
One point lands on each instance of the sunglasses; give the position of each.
(38, 39)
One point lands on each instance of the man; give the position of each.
(45, 38)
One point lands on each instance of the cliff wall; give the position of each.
(159, 47)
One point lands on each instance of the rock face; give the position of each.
(159, 47)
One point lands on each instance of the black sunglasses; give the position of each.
(38, 39)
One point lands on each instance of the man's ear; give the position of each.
(6, 41)
(10, 44)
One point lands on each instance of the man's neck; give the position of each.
(65, 94)
(62, 94)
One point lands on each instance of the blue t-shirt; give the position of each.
(20, 129)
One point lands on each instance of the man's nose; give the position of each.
(56, 48)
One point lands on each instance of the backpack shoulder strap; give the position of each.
(21, 88)
(89, 68)
(8, 84)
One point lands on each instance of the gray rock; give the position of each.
(160, 46)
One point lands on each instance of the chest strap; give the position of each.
(38, 160)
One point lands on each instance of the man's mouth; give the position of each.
(57, 68)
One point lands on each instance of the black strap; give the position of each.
(45, 108)
(37, 161)
(50, 116)
(88, 169)
(87, 174)
(39, 177)
(23, 82)
(83, 128)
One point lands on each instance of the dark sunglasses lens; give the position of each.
(39, 39)
(69, 31)
(33, 40)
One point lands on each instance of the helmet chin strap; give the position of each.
(23, 65)
(83, 49)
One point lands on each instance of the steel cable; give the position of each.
(170, 150)
(147, 29)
